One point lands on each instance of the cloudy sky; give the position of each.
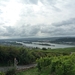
(37, 18)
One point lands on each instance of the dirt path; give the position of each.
(19, 67)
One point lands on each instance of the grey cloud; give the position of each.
(51, 30)
(0, 11)
(67, 22)
(1, 24)
(47, 29)
(34, 30)
(25, 30)
(6, 31)
(65, 32)
(2, 31)
(29, 30)
(1, 21)
(59, 31)
(33, 1)
(70, 4)
(29, 1)
(9, 29)
(63, 28)
(6, 34)
(4, 0)
(1, 2)
(51, 3)
(27, 13)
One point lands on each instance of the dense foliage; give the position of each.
(58, 65)
(11, 72)
(7, 55)
(1, 73)
(49, 61)
(22, 54)
(26, 55)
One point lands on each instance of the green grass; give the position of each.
(72, 49)
(32, 71)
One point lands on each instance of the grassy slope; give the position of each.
(29, 72)
(71, 49)
(34, 71)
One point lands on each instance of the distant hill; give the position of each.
(51, 39)
(30, 39)
(65, 39)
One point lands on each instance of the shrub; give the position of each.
(1, 73)
(11, 72)
(60, 65)
(44, 49)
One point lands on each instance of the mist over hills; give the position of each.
(30, 39)
(51, 39)
(65, 39)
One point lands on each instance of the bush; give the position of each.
(1, 73)
(44, 49)
(60, 65)
(11, 72)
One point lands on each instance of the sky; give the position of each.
(37, 18)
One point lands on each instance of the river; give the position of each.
(53, 46)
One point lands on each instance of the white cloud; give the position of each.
(10, 12)
(42, 18)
